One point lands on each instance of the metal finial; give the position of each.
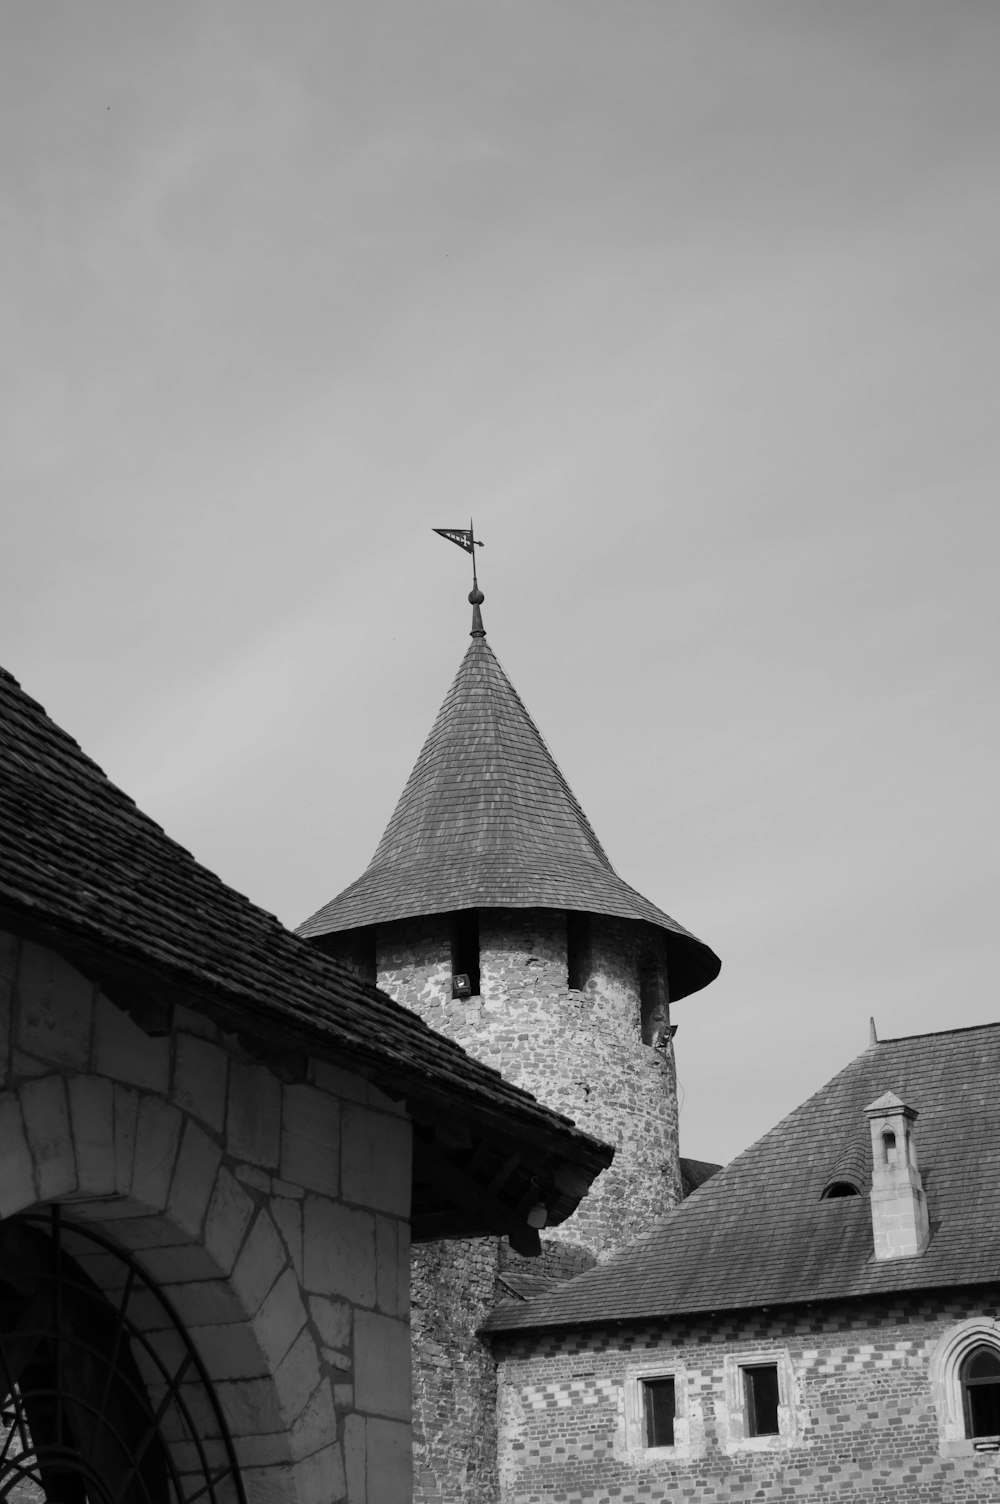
(465, 538)
(872, 1036)
(476, 598)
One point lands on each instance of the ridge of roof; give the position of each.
(936, 1033)
(487, 820)
(759, 1233)
(84, 869)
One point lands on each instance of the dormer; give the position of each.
(900, 1224)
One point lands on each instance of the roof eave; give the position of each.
(558, 1153)
(691, 964)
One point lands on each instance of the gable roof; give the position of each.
(85, 871)
(487, 820)
(759, 1234)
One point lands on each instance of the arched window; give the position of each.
(103, 1398)
(980, 1379)
(838, 1188)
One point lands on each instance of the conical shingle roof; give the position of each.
(487, 820)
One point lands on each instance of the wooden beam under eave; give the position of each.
(458, 1187)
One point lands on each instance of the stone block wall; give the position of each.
(273, 1215)
(864, 1407)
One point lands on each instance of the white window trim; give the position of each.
(734, 1427)
(946, 1381)
(631, 1439)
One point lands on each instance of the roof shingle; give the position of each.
(759, 1232)
(487, 820)
(81, 866)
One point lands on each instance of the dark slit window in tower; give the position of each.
(654, 1002)
(760, 1392)
(658, 1409)
(465, 953)
(981, 1392)
(579, 962)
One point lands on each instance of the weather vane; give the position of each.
(464, 537)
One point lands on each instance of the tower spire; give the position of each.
(466, 539)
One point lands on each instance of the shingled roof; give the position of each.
(759, 1232)
(487, 820)
(85, 871)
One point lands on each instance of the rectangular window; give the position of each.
(760, 1396)
(658, 1411)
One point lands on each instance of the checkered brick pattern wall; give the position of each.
(861, 1389)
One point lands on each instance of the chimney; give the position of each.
(899, 1206)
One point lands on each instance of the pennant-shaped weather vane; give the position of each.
(465, 538)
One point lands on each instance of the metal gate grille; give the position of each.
(105, 1400)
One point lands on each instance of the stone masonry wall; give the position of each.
(578, 1051)
(453, 1288)
(861, 1412)
(273, 1215)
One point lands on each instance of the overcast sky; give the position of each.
(693, 305)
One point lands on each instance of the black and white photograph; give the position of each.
(499, 736)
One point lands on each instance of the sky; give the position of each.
(691, 304)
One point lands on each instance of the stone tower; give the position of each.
(491, 909)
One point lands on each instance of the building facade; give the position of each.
(215, 1147)
(821, 1318)
(491, 910)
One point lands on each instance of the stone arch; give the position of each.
(946, 1362)
(107, 1394)
(146, 1174)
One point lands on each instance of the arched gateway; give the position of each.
(104, 1396)
(215, 1147)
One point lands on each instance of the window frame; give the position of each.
(948, 1360)
(741, 1438)
(647, 1388)
(968, 1384)
(751, 1400)
(632, 1446)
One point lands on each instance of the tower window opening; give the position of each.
(654, 1003)
(889, 1148)
(465, 953)
(579, 954)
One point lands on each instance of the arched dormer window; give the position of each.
(980, 1379)
(838, 1188)
(850, 1173)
